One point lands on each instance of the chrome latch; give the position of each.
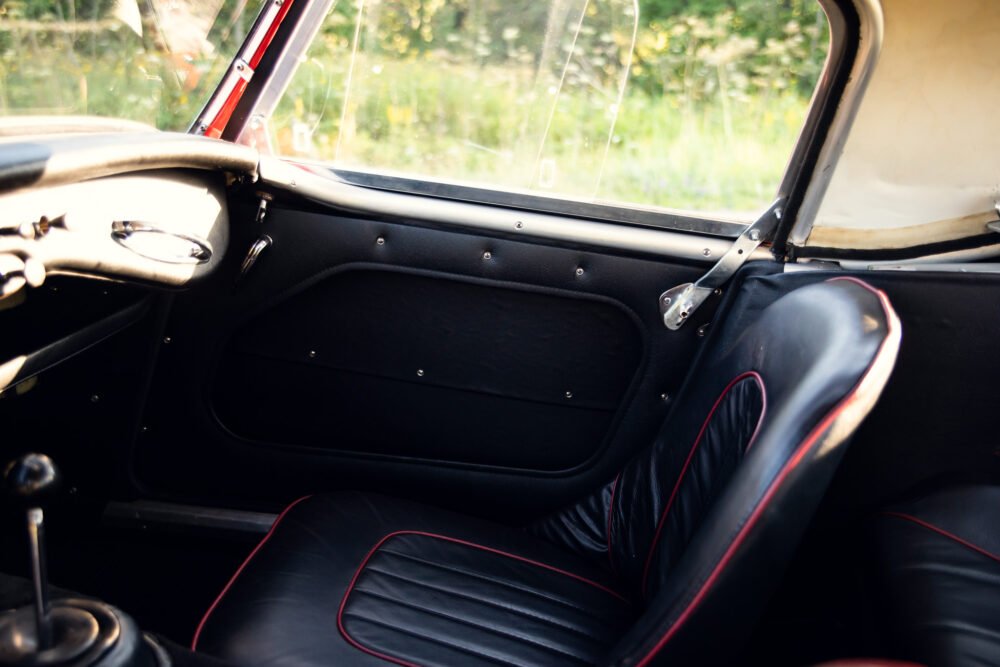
(259, 246)
(677, 304)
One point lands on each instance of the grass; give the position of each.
(456, 122)
(484, 125)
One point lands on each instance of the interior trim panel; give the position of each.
(311, 246)
(536, 374)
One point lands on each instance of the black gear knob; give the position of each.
(31, 480)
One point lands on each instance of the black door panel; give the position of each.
(543, 367)
(537, 375)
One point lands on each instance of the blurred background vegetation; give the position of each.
(685, 104)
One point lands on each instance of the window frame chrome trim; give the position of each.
(325, 188)
(606, 211)
(871, 24)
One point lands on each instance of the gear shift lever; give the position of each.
(77, 632)
(31, 480)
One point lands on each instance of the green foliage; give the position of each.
(82, 57)
(706, 47)
(452, 123)
(461, 90)
(512, 93)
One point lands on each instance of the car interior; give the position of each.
(256, 413)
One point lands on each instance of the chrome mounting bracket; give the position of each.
(994, 226)
(677, 304)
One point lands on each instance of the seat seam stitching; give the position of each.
(503, 554)
(490, 603)
(434, 640)
(462, 621)
(689, 460)
(499, 582)
(971, 546)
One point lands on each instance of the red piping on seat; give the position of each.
(690, 456)
(350, 588)
(232, 580)
(870, 662)
(800, 453)
(943, 532)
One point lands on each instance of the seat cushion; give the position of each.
(354, 578)
(939, 563)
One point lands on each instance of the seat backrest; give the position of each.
(699, 525)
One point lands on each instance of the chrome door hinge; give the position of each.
(678, 303)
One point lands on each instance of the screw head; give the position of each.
(312, 354)
(518, 225)
(579, 270)
(380, 241)
(664, 396)
(569, 394)
(420, 372)
(167, 340)
(487, 255)
(95, 398)
(755, 235)
(707, 252)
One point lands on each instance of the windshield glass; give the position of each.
(682, 105)
(153, 61)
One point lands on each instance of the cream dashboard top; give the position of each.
(135, 205)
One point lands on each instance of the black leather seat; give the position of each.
(938, 563)
(668, 563)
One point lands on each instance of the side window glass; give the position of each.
(691, 105)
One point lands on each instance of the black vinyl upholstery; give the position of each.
(938, 561)
(493, 354)
(349, 577)
(669, 563)
(456, 432)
